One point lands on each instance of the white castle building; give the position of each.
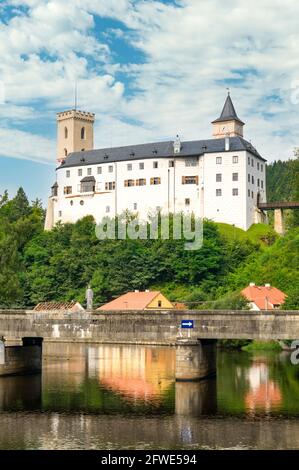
(221, 179)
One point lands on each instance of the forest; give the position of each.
(40, 266)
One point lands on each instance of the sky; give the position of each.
(148, 69)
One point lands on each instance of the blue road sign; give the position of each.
(187, 324)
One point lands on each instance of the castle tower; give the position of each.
(228, 125)
(74, 132)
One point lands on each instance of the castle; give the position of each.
(222, 179)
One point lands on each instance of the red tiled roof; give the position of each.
(131, 301)
(46, 306)
(264, 297)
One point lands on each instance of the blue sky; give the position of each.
(148, 69)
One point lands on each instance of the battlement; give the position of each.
(76, 114)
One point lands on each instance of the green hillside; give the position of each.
(58, 265)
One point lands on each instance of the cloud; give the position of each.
(23, 145)
(192, 49)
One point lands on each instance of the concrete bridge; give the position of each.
(196, 354)
(278, 208)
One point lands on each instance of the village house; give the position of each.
(148, 300)
(263, 297)
(46, 307)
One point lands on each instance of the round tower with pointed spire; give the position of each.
(228, 124)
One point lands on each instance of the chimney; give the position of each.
(227, 144)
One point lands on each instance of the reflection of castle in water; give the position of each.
(264, 394)
(134, 371)
(142, 374)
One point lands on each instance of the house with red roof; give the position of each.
(148, 300)
(264, 297)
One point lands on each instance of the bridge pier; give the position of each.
(196, 398)
(279, 222)
(195, 359)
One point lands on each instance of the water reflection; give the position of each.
(20, 393)
(196, 398)
(263, 394)
(104, 396)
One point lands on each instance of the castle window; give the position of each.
(55, 190)
(258, 182)
(219, 177)
(252, 179)
(218, 192)
(68, 173)
(141, 182)
(59, 214)
(81, 203)
(252, 194)
(89, 171)
(262, 184)
(262, 167)
(236, 159)
(155, 181)
(80, 172)
(83, 133)
(88, 184)
(252, 162)
(258, 165)
(141, 166)
(66, 133)
(82, 150)
(71, 203)
(110, 169)
(191, 162)
(155, 165)
(129, 167)
(248, 192)
(189, 179)
(248, 160)
(110, 186)
(218, 160)
(99, 170)
(135, 206)
(235, 192)
(235, 176)
(65, 152)
(67, 190)
(171, 163)
(129, 183)
(187, 202)
(107, 209)
(248, 178)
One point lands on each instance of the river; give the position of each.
(125, 397)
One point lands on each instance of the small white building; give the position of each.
(221, 179)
